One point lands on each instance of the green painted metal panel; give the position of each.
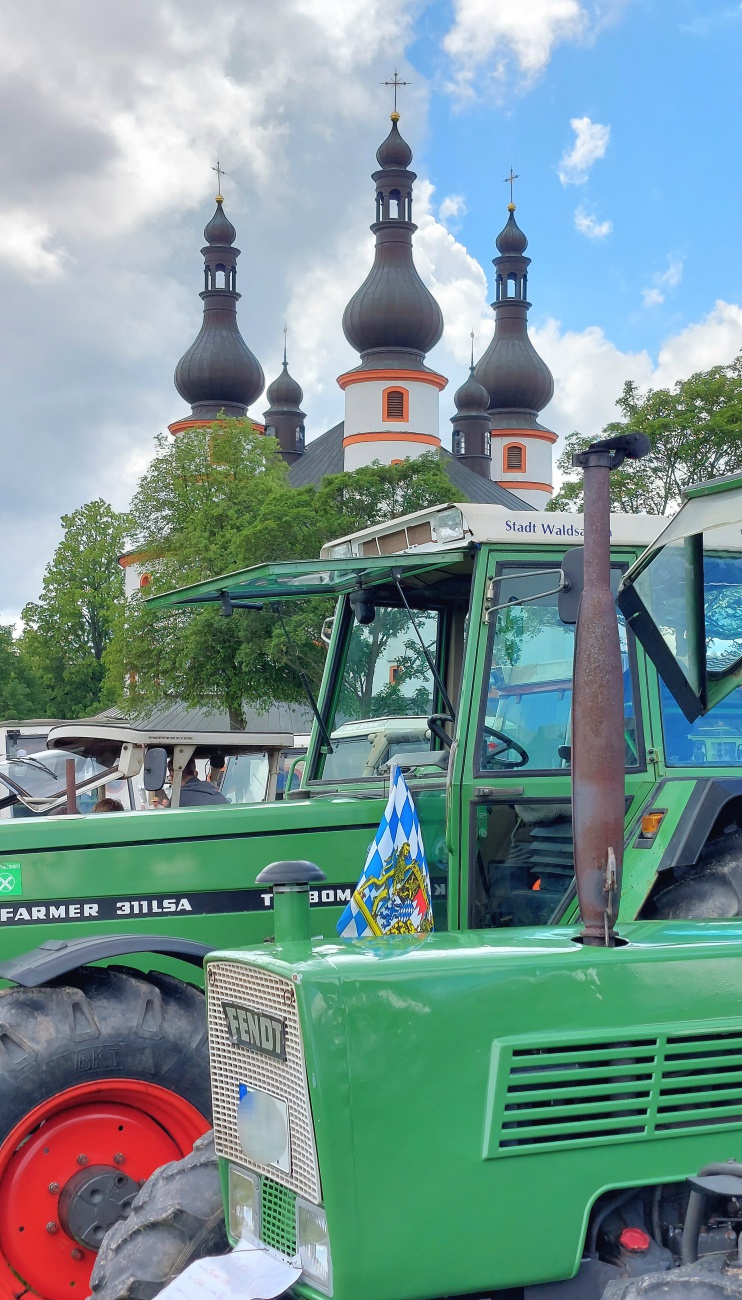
(413, 1050)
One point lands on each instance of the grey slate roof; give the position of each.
(325, 456)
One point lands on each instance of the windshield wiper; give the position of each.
(428, 657)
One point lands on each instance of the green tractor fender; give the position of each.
(58, 957)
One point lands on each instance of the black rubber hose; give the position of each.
(615, 1204)
(694, 1213)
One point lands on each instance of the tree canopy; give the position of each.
(22, 694)
(68, 629)
(217, 499)
(695, 429)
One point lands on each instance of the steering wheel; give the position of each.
(507, 743)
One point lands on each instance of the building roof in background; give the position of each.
(325, 456)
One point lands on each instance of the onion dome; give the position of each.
(219, 372)
(471, 440)
(394, 152)
(519, 383)
(284, 419)
(284, 391)
(393, 319)
(471, 396)
(511, 239)
(220, 229)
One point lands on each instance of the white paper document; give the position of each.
(249, 1273)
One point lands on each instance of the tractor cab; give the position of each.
(245, 766)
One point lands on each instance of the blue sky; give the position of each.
(619, 116)
(664, 76)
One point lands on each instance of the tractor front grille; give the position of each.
(592, 1091)
(262, 991)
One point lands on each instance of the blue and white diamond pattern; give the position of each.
(399, 825)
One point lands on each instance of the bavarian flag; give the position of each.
(393, 893)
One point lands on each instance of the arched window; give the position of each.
(145, 581)
(487, 444)
(394, 203)
(459, 442)
(395, 404)
(299, 437)
(514, 456)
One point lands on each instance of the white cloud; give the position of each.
(669, 279)
(500, 33)
(590, 144)
(589, 225)
(24, 245)
(451, 208)
(125, 108)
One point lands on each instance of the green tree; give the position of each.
(217, 499)
(69, 628)
(21, 692)
(695, 429)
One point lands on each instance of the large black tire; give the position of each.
(711, 890)
(177, 1217)
(114, 1029)
(101, 1023)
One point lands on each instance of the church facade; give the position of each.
(500, 453)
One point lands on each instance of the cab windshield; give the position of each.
(386, 695)
(527, 708)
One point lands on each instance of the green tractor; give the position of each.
(450, 653)
(525, 1104)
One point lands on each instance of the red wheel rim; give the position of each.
(124, 1125)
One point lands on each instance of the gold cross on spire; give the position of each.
(396, 83)
(219, 173)
(509, 181)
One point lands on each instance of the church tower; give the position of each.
(391, 399)
(218, 372)
(471, 439)
(518, 382)
(284, 418)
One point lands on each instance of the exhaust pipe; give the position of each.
(598, 746)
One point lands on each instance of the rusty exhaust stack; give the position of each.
(598, 747)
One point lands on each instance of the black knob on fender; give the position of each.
(297, 872)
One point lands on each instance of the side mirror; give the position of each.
(362, 604)
(155, 769)
(573, 580)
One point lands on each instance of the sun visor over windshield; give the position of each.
(302, 579)
(683, 597)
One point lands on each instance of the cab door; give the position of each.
(517, 860)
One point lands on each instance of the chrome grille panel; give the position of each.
(232, 1065)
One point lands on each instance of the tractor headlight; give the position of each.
(263, 1127)
(448, 525)
(313, 1245)
(244, 1204)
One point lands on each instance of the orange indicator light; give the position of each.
(651, 823)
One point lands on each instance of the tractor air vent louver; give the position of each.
(591, 1092)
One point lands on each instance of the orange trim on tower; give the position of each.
(135, 557)
(392, 377)
(513, 483)
(402, 436)
(525, 433)
(180, 426)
